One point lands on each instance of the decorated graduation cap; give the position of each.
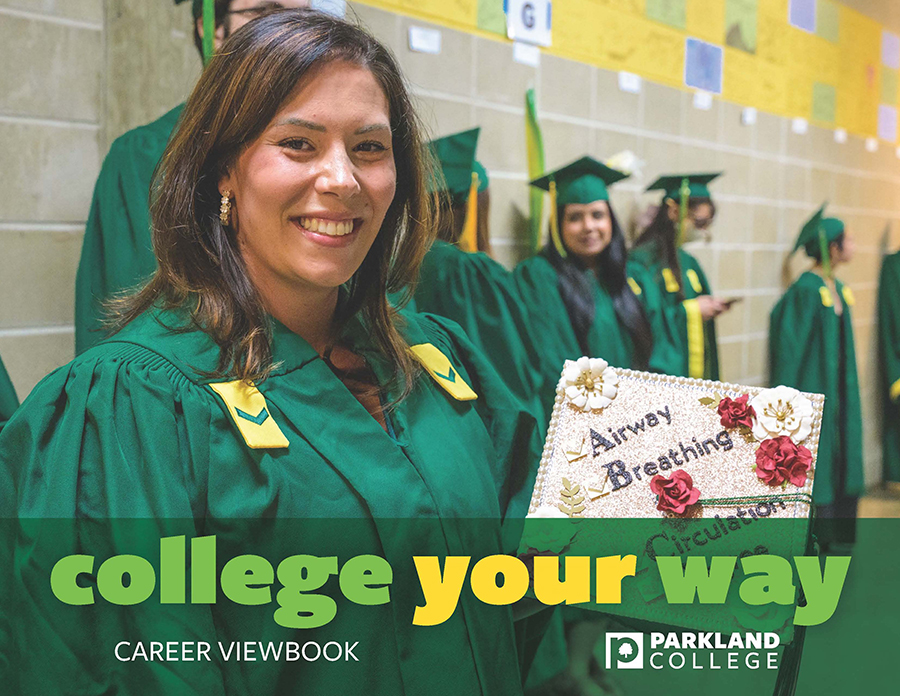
(581, 182)
(681, 188)
(207, 10)
(818, 232)
(464, 178)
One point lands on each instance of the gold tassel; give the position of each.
(554, 223)
(468, 238)
(684, 195)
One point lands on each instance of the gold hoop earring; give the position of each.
(225, 208)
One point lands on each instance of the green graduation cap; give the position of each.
(456, 155)
(672, 183)
(815, 236)
(809, 238)
(583, 181)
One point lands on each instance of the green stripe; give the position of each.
(209, 30)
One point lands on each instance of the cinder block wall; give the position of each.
(774, 178)
(85, 71)
(51, 114)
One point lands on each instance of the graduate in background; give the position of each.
(811, 349)
(116, 253)
(690, 307)
(889, 333)
(9, 402)
(581, 298)
(458, 281)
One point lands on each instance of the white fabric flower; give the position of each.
(590, 383)
(547, 512)
(782, 411)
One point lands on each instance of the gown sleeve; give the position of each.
(9, 402)
(518, 446)
(710, 341)
(512, 425)
(889, 332)
(477, 293)
(666, 357)
(889, 323)
(794, 340)
(536, 283)
(106, 457)
(694, 338)
(116, 253)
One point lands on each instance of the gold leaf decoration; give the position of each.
(711, 401)
(572, 502)
(747, 434)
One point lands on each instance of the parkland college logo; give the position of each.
(626, 648)
(693, 650)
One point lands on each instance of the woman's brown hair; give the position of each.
(200, 267)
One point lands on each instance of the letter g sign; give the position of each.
(528, 21)
(528, 15)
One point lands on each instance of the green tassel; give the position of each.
(209, 30)
(826, 253)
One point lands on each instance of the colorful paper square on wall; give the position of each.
(671, 12)
(888, 86)
(828, 20)
(703, 66)
(890, 49)
(887, 123)
(824, 103)
(740, 24)
(491, 16)
(802, 14)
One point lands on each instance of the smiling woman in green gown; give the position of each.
(263, 375)
(811, 348)
(581, 298)
(689, 307)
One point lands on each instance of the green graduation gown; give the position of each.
(9, 402)
(537, 284)
(132, 429)
(804, 353)
(478, 293)
(117, 252)
(694, 339)
(889, 332)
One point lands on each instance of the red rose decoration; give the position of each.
(676, 493)
(780, 460)
(735, 413)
